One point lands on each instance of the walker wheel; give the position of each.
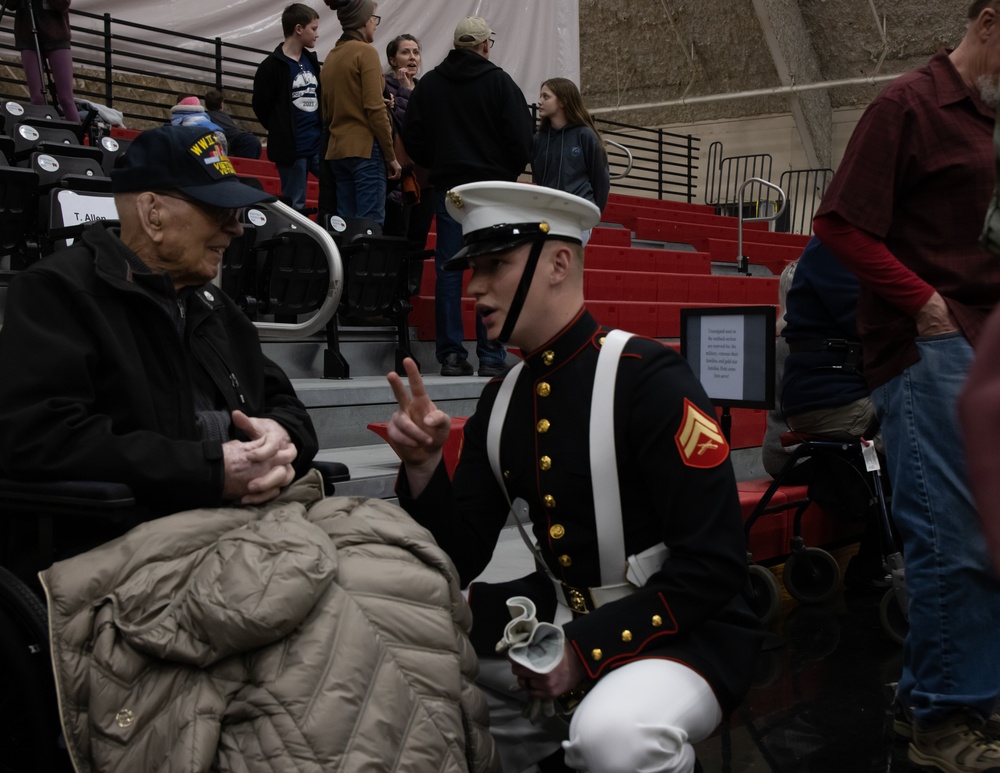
(811, 575)
(763, 592)
(890, 614)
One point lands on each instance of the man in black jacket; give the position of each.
(467, 121)
(122, 363)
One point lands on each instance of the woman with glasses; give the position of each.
(568, 153)
(360, 151)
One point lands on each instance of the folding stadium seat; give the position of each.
(18, 218)
(32, 135)
(78, 171)
(13, 113)
(380, 277)
(65, 212)
(112, 149)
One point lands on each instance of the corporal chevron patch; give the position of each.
(699, 439)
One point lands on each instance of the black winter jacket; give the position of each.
(97, 383)
(468, 121)
(272, 103)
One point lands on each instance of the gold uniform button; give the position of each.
(506, 474)
(596, 654)
(543, 426)
(600, 341)
(626, 636)
(565, 560)
(557, 531)
(545, 463)
(550, 501)
(543, 389)
(548, 357)
(657, 621)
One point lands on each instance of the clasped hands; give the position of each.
(257, 469)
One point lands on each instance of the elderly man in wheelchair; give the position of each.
(197, 606)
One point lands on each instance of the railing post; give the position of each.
(218, 63)
(659, 164)
(109, 87)
(690, 169)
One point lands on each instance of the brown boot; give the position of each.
(902, 723)
(956, 744)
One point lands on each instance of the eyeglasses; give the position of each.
(218, 215)
(378, 19)
(492, 41)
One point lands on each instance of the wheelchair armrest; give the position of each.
(332, 472)
(75, 494)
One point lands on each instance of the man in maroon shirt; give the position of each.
(904, 212)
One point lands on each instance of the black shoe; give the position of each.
(860, 578)
(492, 369)
(454, 365)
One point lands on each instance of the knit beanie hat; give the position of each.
(354, 14)
(187, 105)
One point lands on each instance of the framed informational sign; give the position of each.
(731, 351)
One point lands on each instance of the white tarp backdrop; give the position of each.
(535, 39)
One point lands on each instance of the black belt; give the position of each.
(823, 345)
(850, 349)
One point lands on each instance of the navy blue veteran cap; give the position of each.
(188, 159)
(498, 216)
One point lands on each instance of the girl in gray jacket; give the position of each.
(568, 152)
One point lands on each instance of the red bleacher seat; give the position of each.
(121, 133)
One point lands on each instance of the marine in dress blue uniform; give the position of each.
(676, 484)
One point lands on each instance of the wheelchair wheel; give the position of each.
(29, 720)
(811, 575)
(890, 614)
(763, 593)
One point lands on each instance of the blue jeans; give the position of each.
(294, 178)
(361, 186)
(951, 657)
(448, 296)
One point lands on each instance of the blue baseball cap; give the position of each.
(188, 159)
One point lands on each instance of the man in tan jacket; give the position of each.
(360, 150)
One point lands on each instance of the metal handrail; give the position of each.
(317, 322)
(627, 152)
(742, 262)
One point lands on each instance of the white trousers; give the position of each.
(640, 718)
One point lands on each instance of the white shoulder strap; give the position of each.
(604, 461)
(493, 431)
(497, 418)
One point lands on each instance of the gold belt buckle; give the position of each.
(577, 601)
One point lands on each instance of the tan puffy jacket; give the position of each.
(305, 635)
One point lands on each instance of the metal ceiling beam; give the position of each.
(796, 62)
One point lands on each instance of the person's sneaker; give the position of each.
(454, 365)
(492, 369)
(902, 723)
(955, 745)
